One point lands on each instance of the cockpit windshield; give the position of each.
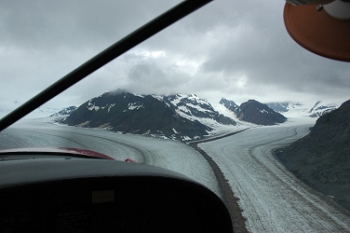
(217, 96)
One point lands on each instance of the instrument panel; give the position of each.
(128, 201)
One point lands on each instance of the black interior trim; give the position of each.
(104, 196)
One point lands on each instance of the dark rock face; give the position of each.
(258, 113)
(322, 158)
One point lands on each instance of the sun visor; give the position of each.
(317, 31)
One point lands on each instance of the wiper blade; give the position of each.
(156, 25)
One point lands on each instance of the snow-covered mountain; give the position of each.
(63, 114)
(319, 109)
(180, 117)
(291, 109)
(194, 108)
(282, 107)
(229, 104)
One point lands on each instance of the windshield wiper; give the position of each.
(120, 47)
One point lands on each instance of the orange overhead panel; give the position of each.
(320, 31)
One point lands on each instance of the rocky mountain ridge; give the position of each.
(322, 158)
(160, 115)
(254, 112)
(178, 117)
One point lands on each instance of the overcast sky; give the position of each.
(238, 49)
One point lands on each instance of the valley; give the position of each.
(271, 198)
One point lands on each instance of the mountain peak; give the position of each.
(229, 104)
(258, 113)
(254, 112)
(345, 104)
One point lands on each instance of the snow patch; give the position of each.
(141, 96)
(184, 109)
(110, 106)
(262, 110)
(132, 106)
(186, 138)
(198, 108)
(158, 97)
(91, 106)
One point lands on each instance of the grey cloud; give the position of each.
(49, 24)
(237, 49)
